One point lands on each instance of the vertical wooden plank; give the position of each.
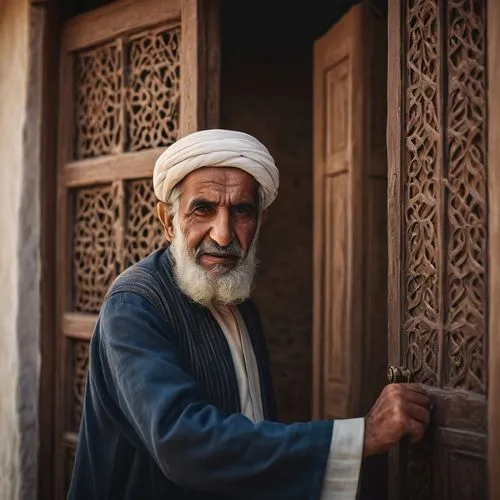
(375, 210)
(123, 108)
(213, 63)
(394, 138)
(48, 187)
(355, 219)
(119, 224)
(493, 51)
(189, 110)
(65, 128)
(336, 345)
(394, 201)
(200, 65)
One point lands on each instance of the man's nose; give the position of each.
(222, 231)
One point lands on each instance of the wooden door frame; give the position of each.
(48, 199)
(394, 109)
(394, 78)
(493, 52)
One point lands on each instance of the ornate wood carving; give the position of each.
(422, 238)
(94, 259)
(153, 95)
(150, 80)
(466, 204)
(151, 87)
(99, 80)
(460, 179)
(335, 283)
(79, 367)
(453, 187)
(143, 231)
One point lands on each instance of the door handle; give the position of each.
(399, 375)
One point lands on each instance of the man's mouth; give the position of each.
(211, 259)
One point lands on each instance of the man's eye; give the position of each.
(243, 210)
(203, 209)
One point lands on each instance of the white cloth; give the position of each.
(346, 447)
(344, 462)
(245, 364)
(216, 148)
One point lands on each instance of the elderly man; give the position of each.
(179, 402)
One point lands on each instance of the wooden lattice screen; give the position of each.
(122, 78)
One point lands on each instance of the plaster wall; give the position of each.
(19, 248)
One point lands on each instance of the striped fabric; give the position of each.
(197, 334)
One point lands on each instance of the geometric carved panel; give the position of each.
(422, 237)
(98, 101)
(150, 82)
(153, 89)
(79, 366)
(144, 232)
(445, 194)
(466, 176)
(94, 255)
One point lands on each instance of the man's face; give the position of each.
(218, 208)
(213, 233)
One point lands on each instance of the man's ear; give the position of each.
(166, 220)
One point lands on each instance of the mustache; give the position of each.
(213, 248)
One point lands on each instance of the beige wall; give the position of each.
(19, 267)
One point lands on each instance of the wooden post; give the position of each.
(493, 51)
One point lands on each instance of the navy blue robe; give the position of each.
(161, 416)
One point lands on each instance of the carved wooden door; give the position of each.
(134, 76)
(438, 239)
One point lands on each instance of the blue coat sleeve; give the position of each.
(194, 444)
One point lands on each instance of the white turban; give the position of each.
(216, 148)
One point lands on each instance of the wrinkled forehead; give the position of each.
(220, 184)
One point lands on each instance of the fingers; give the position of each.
(417, 398)
(418, 413)
(413, 393)
(417, 388)
(417, 431)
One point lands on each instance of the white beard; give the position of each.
(216, 287)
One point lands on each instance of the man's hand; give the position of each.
(400, 410)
